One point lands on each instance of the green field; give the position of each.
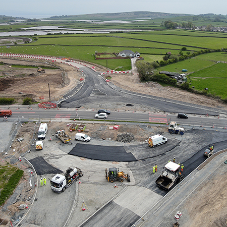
(214, 78)
(152, 45)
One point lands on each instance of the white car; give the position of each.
(101, 115)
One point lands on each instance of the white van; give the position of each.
(82, 137)
(156, 140)
(42, 131)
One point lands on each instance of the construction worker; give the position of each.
(211, 147)
(156, 168)
(174, 159)
(44, 181)
(41, 182)
(153, 169)
(182, 167)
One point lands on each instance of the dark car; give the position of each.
(104, 111)
(182, 115)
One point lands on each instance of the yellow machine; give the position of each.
(114, 175)
(40, 70)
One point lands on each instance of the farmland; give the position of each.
(151, 44)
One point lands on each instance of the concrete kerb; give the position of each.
(33, 195)
(175, 190)
(74, 205)
(123, 190)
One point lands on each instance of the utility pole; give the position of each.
(49, 90)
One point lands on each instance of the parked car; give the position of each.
(82, 137)
(101, 115)
(104, 111)
(182, 115)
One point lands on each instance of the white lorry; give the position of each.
(39, 145)
(60, 182)
(42, 131)
(156, 140)
(174, 129)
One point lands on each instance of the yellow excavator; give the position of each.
(40, 70)
(114, 175)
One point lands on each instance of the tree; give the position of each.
(170, 24)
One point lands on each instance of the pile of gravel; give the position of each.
(125, 137)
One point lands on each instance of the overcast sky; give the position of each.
(47, 8)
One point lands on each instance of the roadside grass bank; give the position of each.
(9, 179)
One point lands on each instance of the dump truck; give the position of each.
(39, 145)
(114, 175)
(40, 70)
(156, 140)
(174, 129)
(170, 176)
(63, 136)
(61, 182)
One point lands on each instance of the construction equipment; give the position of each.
(78, 127)
(209, 151)
(39, 145)
(114, 175)
(156, 140)
(40, 70)
(61, 134)
(174, 129)
(60, 182)
(170, 176)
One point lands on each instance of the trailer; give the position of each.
(63, 136)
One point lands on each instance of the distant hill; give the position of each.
(118, 16)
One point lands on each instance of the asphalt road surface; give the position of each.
(96, 90)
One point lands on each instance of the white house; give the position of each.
(129, 53)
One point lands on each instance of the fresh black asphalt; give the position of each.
(42, 167)
(104, 153)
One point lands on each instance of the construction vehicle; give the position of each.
(60, 182)
(78, 127)
(39, 145)
(40, 70)
(42, 131)
(156, 140)
(170, 176)
(114, 175)
(209, 151)
(174, 129)
(61, 134)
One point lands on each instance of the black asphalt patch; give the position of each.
(42, 167)
(103, 153)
